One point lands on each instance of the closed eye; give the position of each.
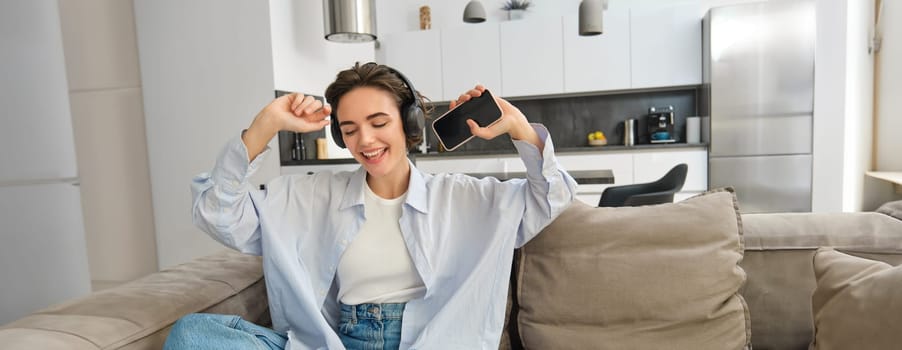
(379, 125)
(350, 132)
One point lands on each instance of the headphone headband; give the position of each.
(412, 113)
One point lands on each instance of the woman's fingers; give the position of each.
(489, 132)
(466, 96)
(302, 105)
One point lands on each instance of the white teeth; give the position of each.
(373, 154)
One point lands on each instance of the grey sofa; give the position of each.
(138, 315)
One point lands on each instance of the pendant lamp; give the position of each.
(591, 19)
(474, 12)
(349, 21)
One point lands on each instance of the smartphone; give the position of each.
(451, 128)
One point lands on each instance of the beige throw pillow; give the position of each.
(651, 277)
(857, 303)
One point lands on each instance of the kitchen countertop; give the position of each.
(510, 152)
(582, 177)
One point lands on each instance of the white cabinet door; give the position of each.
(531, 57)
(600, 62)
(477, 164)
(666, 46)
(470, 54)
(418, 56)
(621, 164)
(651, 166)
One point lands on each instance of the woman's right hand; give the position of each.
(292, 112)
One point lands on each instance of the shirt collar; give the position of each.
(416, 190)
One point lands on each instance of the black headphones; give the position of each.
(412, 114)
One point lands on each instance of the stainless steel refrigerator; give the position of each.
(758, 73)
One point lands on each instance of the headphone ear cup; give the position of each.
(336, 131)
(414, 121)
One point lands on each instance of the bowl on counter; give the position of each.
(598, 142)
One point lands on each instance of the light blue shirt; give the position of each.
(460, 232)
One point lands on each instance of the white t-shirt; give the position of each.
(376, 267)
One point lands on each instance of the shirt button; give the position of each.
(344, 242)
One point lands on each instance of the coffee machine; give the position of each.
(659, 124)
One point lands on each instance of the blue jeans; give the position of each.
(363, 327)
(211, 331)
(371, 326)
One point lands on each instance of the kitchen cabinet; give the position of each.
(470, 54)
(629, 166)
(531, 57)
(310, 169)
(620, 163)
(600, 62)
(666, 46)
(418, 55)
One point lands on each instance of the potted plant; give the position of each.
(515, 8)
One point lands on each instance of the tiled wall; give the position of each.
(108, 121)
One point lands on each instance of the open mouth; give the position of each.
(373, 155)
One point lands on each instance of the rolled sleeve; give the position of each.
(232, 169)
(223, 207)
(550, 188)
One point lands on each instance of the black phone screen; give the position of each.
(451, 128)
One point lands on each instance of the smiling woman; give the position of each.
(361, 250)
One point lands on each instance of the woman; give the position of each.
(384, 257)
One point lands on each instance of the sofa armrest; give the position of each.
(139, 314)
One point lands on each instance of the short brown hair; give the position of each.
(378, 76)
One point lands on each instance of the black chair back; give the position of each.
(660, 191)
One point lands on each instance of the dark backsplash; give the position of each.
(568, 119)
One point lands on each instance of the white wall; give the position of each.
(108, 121)
(889, 89)
(207, 70)
(888, 119)
(404, 15)
(859, 112)
(43, 257)
(829, 107)
(303, 60)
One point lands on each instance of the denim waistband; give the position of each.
(392, 311)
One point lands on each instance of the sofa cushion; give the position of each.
(779, 248)
(636, 278)
(893, 209)
(139, 314)
(857, 303)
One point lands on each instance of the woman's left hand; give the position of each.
(512, 121)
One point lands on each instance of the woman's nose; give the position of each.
(366, 136)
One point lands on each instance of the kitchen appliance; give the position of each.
(629, 132)
(659, 124)
(758, 73)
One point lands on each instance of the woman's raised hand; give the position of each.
(292, 112)
(512, 121)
